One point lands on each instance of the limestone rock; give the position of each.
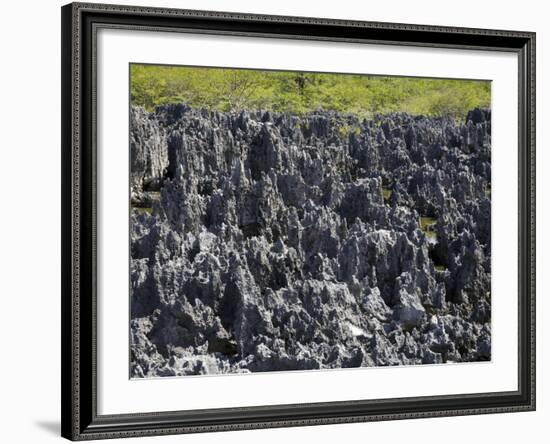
(267, 241)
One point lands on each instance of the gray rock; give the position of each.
(267, 241)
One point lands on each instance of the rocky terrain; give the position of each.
(264, 241)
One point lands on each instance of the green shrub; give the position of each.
(299, 92)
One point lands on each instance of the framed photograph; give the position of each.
(280, 221)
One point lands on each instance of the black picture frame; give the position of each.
(80, 420)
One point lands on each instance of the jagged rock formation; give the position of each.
(264, 241)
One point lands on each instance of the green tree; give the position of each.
(301, 92)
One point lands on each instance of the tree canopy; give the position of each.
(228, 89)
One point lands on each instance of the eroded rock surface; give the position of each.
(264, 241)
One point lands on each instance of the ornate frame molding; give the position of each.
(79, 395)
